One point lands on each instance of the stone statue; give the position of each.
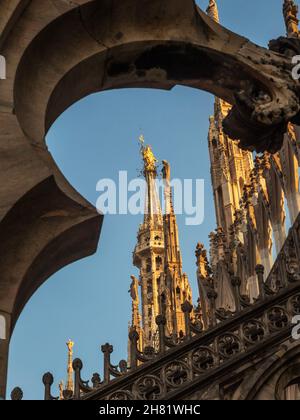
(166, 171)
(134, 289)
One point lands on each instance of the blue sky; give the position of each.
(88, 301)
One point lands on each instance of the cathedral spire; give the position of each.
(230, 166)
(173, 254)
(70, 382)
(212, 11)
(177, 285)
(148, 255)
(149, 159)
(290, 13)
(163, 286)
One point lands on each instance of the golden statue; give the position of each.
(149, 159)
(70, 346)
(148, 156)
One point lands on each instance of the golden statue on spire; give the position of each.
(149, 159)
(70, 345)
(69, 388)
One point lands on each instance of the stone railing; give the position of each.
(205, 355)
(180, 364)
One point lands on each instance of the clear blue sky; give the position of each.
(88, 301)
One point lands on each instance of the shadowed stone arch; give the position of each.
(270, 377)
(100, 46)
(60, 51)
(291, 376)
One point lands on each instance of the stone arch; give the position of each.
(272, 375)
(54, 241)
(2, 328)
(116, 49)
(289, 378)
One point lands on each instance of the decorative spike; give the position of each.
(48, 382)
(134, 338)
(107, 350)
(80, 386)
(77, 366)
(187, 309)
(236, 284)
(161, 323)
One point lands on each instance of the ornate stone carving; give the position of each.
(176, 374)
(120, 396)
(203, 359)
(228, 345)
(148, 388)
(277, 318)
(294, 304)
(253, 331)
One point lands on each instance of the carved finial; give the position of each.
(70, 382)
(212, 11)
(17, 394)
(290, 13)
